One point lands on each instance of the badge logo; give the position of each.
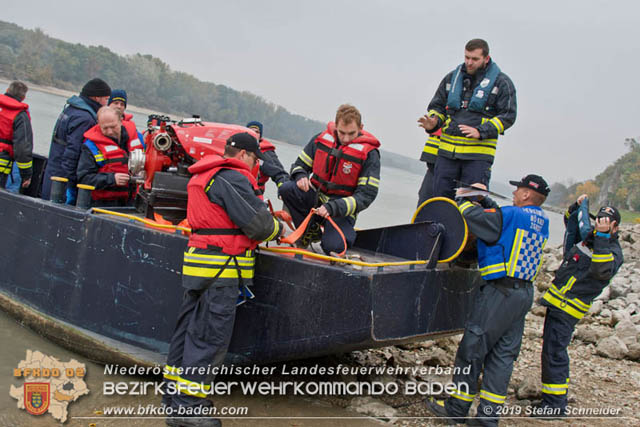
(480, 94)
(36, 398)
(346, 168)
(484, 83)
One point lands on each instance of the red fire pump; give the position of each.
(171, 147)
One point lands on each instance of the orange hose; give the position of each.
(299, 232)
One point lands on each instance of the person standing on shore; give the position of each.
(77, 117)
(16, 134)
(228, 221)
(510, 244)
(474, 104)
(592, 257)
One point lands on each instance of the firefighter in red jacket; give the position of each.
(270, 167)
(16, 135)
(228, 220)
(344, 163)
(104, 158)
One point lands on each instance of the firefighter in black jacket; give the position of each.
(344, 164)
(587, 267)
(228, 220)
(474, 104)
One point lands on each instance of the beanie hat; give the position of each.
(255, 126)
(118, 95)
(96, 87)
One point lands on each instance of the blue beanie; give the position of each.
(255, 124)
(118, 95)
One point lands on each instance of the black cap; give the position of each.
(534, 182)
(96, 87)
(611, 212)
(245, 141)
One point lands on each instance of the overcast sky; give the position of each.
(575, 64)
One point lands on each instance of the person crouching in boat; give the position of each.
(228, 220)
(16, 134)
(344, 163)
(270, 167)
(104, 158)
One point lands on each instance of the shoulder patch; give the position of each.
(490, 210)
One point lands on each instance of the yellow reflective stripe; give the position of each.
(171, 369)
(209, 185)
(435, 113)
(276, 229)
(567, 285)
(4, 162)
(185, 390)
(294, 170)
(557, 389)
(5, 170)
(241, 263)
(306, 159)
(464, 206)
(562, 305)
(351, 205)
(463, 140)
(498, 124)
(25, 165)
(580, 304)
(374, 181)
(228, 273)
(602, 257)
(362, 180)
(458, 394)
(489, 151)
(515, 250)
(219, 257)
(492, 397)
(491, 269)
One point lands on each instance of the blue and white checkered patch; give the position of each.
(529, 256)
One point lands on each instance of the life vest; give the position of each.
(518, 251)
(336, 169)
(265, 146)
(210, 223)
(9, 109)
(481, 92)
(136, 143)
(110, 158)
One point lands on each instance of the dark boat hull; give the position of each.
(111, 289)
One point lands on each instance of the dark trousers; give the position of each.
(490, 345)
(426, 189)
(200, 339)
(3, 180)
(301, 202)
(558, 329)
(448, 171)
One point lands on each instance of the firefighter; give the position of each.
(590, 260)
(344, 163)
(104, 158)
(474, 104)
(228, 221)
(510, 244)
(78, 116)
(16, 134)
(270, 167)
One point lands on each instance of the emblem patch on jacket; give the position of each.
(346, 168)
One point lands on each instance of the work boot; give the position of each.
(192, 422)
(312, 234)
(437, 408)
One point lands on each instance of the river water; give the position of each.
(395, 205)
